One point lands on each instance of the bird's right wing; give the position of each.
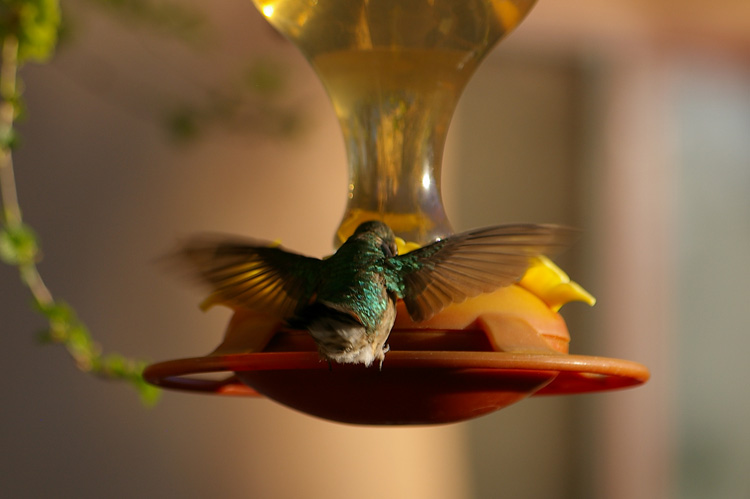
(251, 274)
(471, 263)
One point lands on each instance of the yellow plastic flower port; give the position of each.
(553, 286)
(404, 247)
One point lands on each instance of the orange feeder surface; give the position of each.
(470, 359)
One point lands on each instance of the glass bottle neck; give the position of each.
(395, 107)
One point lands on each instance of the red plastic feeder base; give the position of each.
(420, 388)
(471, 359)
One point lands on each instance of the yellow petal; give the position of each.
(553, 286)
(404, 247)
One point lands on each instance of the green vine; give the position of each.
(28, 32)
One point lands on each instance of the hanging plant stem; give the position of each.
(19, 247)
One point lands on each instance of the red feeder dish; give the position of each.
(444, 370)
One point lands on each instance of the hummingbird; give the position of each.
(347, 302)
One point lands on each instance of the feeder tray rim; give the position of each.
(575, 373)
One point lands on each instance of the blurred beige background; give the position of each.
(629, 119)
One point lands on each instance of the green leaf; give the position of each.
(18, 245)
(34, 23)
(9, 139)
(57, 312)
(79, 340)
(148, 393)
(115, 366)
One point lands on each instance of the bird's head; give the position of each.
(381, 235)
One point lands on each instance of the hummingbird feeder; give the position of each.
(394, 72)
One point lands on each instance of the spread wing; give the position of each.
(471, 263)
(251, 274)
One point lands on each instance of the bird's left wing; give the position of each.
(252, 274)
(471, 263)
